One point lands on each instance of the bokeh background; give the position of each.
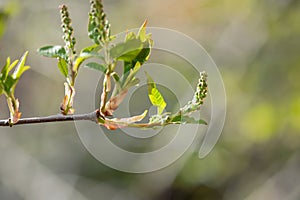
(256, 45)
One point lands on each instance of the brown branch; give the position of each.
(93, 116)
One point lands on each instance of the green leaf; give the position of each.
(155, 96)
(93, 48)
(127, 67)
(117, 80)
(9, 84)
(4, 71)
(133, 82)
(130, 36)
(144, 54)
(21, 68)
(126, 51)
(53, 52)
(8, 81)
(7, 68)
(11, 66)
(142, 32)
(80, 59)
(186, 120)
(96, 66)
(150, 83)
(131, 75)
(63, 66)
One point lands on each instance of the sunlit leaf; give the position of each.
(142, 32)
(155, 96)
(21, 68)
(80, 59)
(7, 68)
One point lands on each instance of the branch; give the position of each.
(93, 116)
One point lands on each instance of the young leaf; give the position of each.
(96, 66)
(117, 82)
(7, 68)
(155, 96)
(80, 59)
(21, 68)
(114, 102)
(186, 120)
(142, 32)
(63, 67)
(53, 52)
(115, 123)
(130, 77)
(9, 84)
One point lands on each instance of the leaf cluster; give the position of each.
(9, 81)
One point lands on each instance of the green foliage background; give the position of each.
(256, 46)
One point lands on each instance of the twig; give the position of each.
(93, 116)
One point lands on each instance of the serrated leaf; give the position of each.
(63, 66)
(157, 100)
(96, 66)
(155, 96)
(53, 52)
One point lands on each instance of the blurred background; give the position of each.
(256, 46)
